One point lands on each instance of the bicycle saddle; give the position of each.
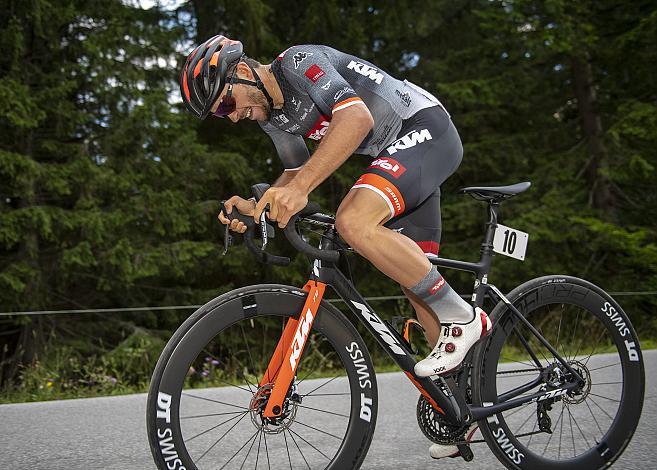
(495, 193)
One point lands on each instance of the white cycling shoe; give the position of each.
(453, 344)
(439, 451)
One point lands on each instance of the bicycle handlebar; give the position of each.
(331, 256)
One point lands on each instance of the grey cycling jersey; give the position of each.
(317, 81)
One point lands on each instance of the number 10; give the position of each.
(509, 241)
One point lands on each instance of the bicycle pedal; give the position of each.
(466, 452)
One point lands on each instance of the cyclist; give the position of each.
(391, 215)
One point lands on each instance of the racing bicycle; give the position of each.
(274, 376)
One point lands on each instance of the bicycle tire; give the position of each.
(608, 318)
(248, 303)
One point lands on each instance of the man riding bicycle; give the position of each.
(391, 215)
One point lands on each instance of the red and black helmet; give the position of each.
(203, 76)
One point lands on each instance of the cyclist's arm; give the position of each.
(348, 129)
(291, 148)
(351, 120)
(285, 178)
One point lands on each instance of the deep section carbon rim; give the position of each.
(589, 425)
(214, 395)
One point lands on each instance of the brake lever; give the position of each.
(263, 227)
(228, 238)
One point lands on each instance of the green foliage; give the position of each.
(109, 189)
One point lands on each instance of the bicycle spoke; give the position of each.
(311, 427)
(213, 414)
(572, 338)
(561, 435)
(214, 401)
(299, 449)
(216, 426)
(523, 424)
(213, 356)
(248, 349)
(240, 449)
(300, 437)
(532, 433)
(267, 452)
(594, 418)
(288, 451)
(325, 383)
(508, 359)
(577, 426)
(601, 409)
(597, 343)
(520, 408)
(249, 452)
(559, 330)
(606, 383)
(572, 434)
(324, 395)
(324, 411)
(602, 396)
(552, 434)
(604, 367)
(258, 452)
(222, 436)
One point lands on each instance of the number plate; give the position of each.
(510, 242)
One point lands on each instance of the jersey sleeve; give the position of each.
(310, 70)
(291, 149)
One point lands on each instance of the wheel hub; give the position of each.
(277, 424)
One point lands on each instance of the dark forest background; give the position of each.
(109, 189)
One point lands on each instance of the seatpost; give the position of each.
(486, 251)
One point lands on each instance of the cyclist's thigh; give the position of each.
(408, 174)
(422, 224)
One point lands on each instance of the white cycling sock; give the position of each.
(448, 306)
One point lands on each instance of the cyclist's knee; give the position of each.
(353, 227)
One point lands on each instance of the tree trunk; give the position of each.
(600, 193)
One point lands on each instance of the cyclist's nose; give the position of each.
(234, 116)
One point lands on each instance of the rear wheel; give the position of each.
(206, 398)
(586, 428)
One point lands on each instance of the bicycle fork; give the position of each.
(285, 360)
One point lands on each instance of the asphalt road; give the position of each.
(110, 433)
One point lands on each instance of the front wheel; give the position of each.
(207, 395)
(588, 427)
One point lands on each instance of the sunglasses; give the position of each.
(227, 104)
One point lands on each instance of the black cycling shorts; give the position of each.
(409, 172)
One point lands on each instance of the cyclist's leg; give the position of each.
(398, 181)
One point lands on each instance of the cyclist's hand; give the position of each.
(243, 206)
(284, 202)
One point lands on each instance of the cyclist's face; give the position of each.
(250, 103)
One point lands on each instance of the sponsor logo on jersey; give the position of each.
(339, 93)
(306, 111)
(319, 129)
(366, 71)
(299, 57)
(293, 128)
(314, 73)
(405, 97)
(326, 86)
(296, 103)
(389, 165)
(411, 139)
(281, 119)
